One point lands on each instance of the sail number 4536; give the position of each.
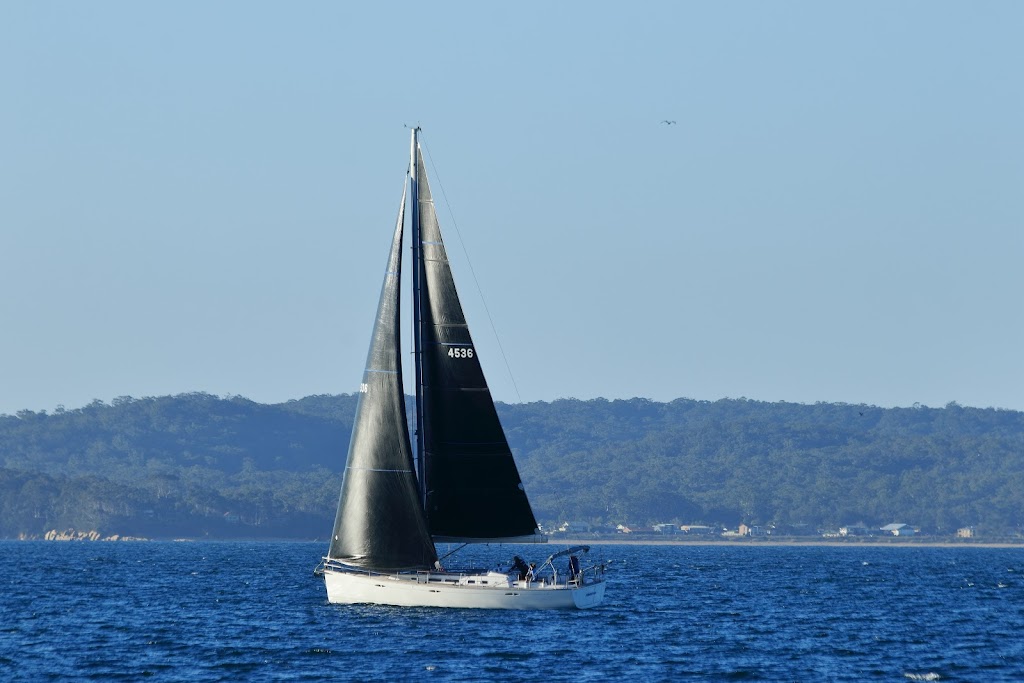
(455, 352)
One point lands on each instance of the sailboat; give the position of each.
(459, 483)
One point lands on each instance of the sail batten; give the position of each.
(375, 469)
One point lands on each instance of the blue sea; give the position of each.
(196, 611)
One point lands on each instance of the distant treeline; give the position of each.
(196, 465)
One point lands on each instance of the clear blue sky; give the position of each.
(199, 196)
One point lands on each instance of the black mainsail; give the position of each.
(380, 524)
(473, 491)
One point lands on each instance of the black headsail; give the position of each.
(473, 491)
(380, 523)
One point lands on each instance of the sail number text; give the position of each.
(454, 352)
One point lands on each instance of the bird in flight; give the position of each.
(668, 123)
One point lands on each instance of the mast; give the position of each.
(417, 313)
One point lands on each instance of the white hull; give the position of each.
(480, 591)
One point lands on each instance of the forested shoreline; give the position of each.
(201, 466)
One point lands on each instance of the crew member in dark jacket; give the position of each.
(520, 566)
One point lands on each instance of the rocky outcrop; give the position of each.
(73, 535)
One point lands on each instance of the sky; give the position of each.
(200, 196)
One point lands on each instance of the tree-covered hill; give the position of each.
(199, 465)
(734, 461)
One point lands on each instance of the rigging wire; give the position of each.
(476, 282)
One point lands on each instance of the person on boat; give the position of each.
(574, 569)
(530, 572)
(520, 566)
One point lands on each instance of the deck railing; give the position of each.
(546, 577)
